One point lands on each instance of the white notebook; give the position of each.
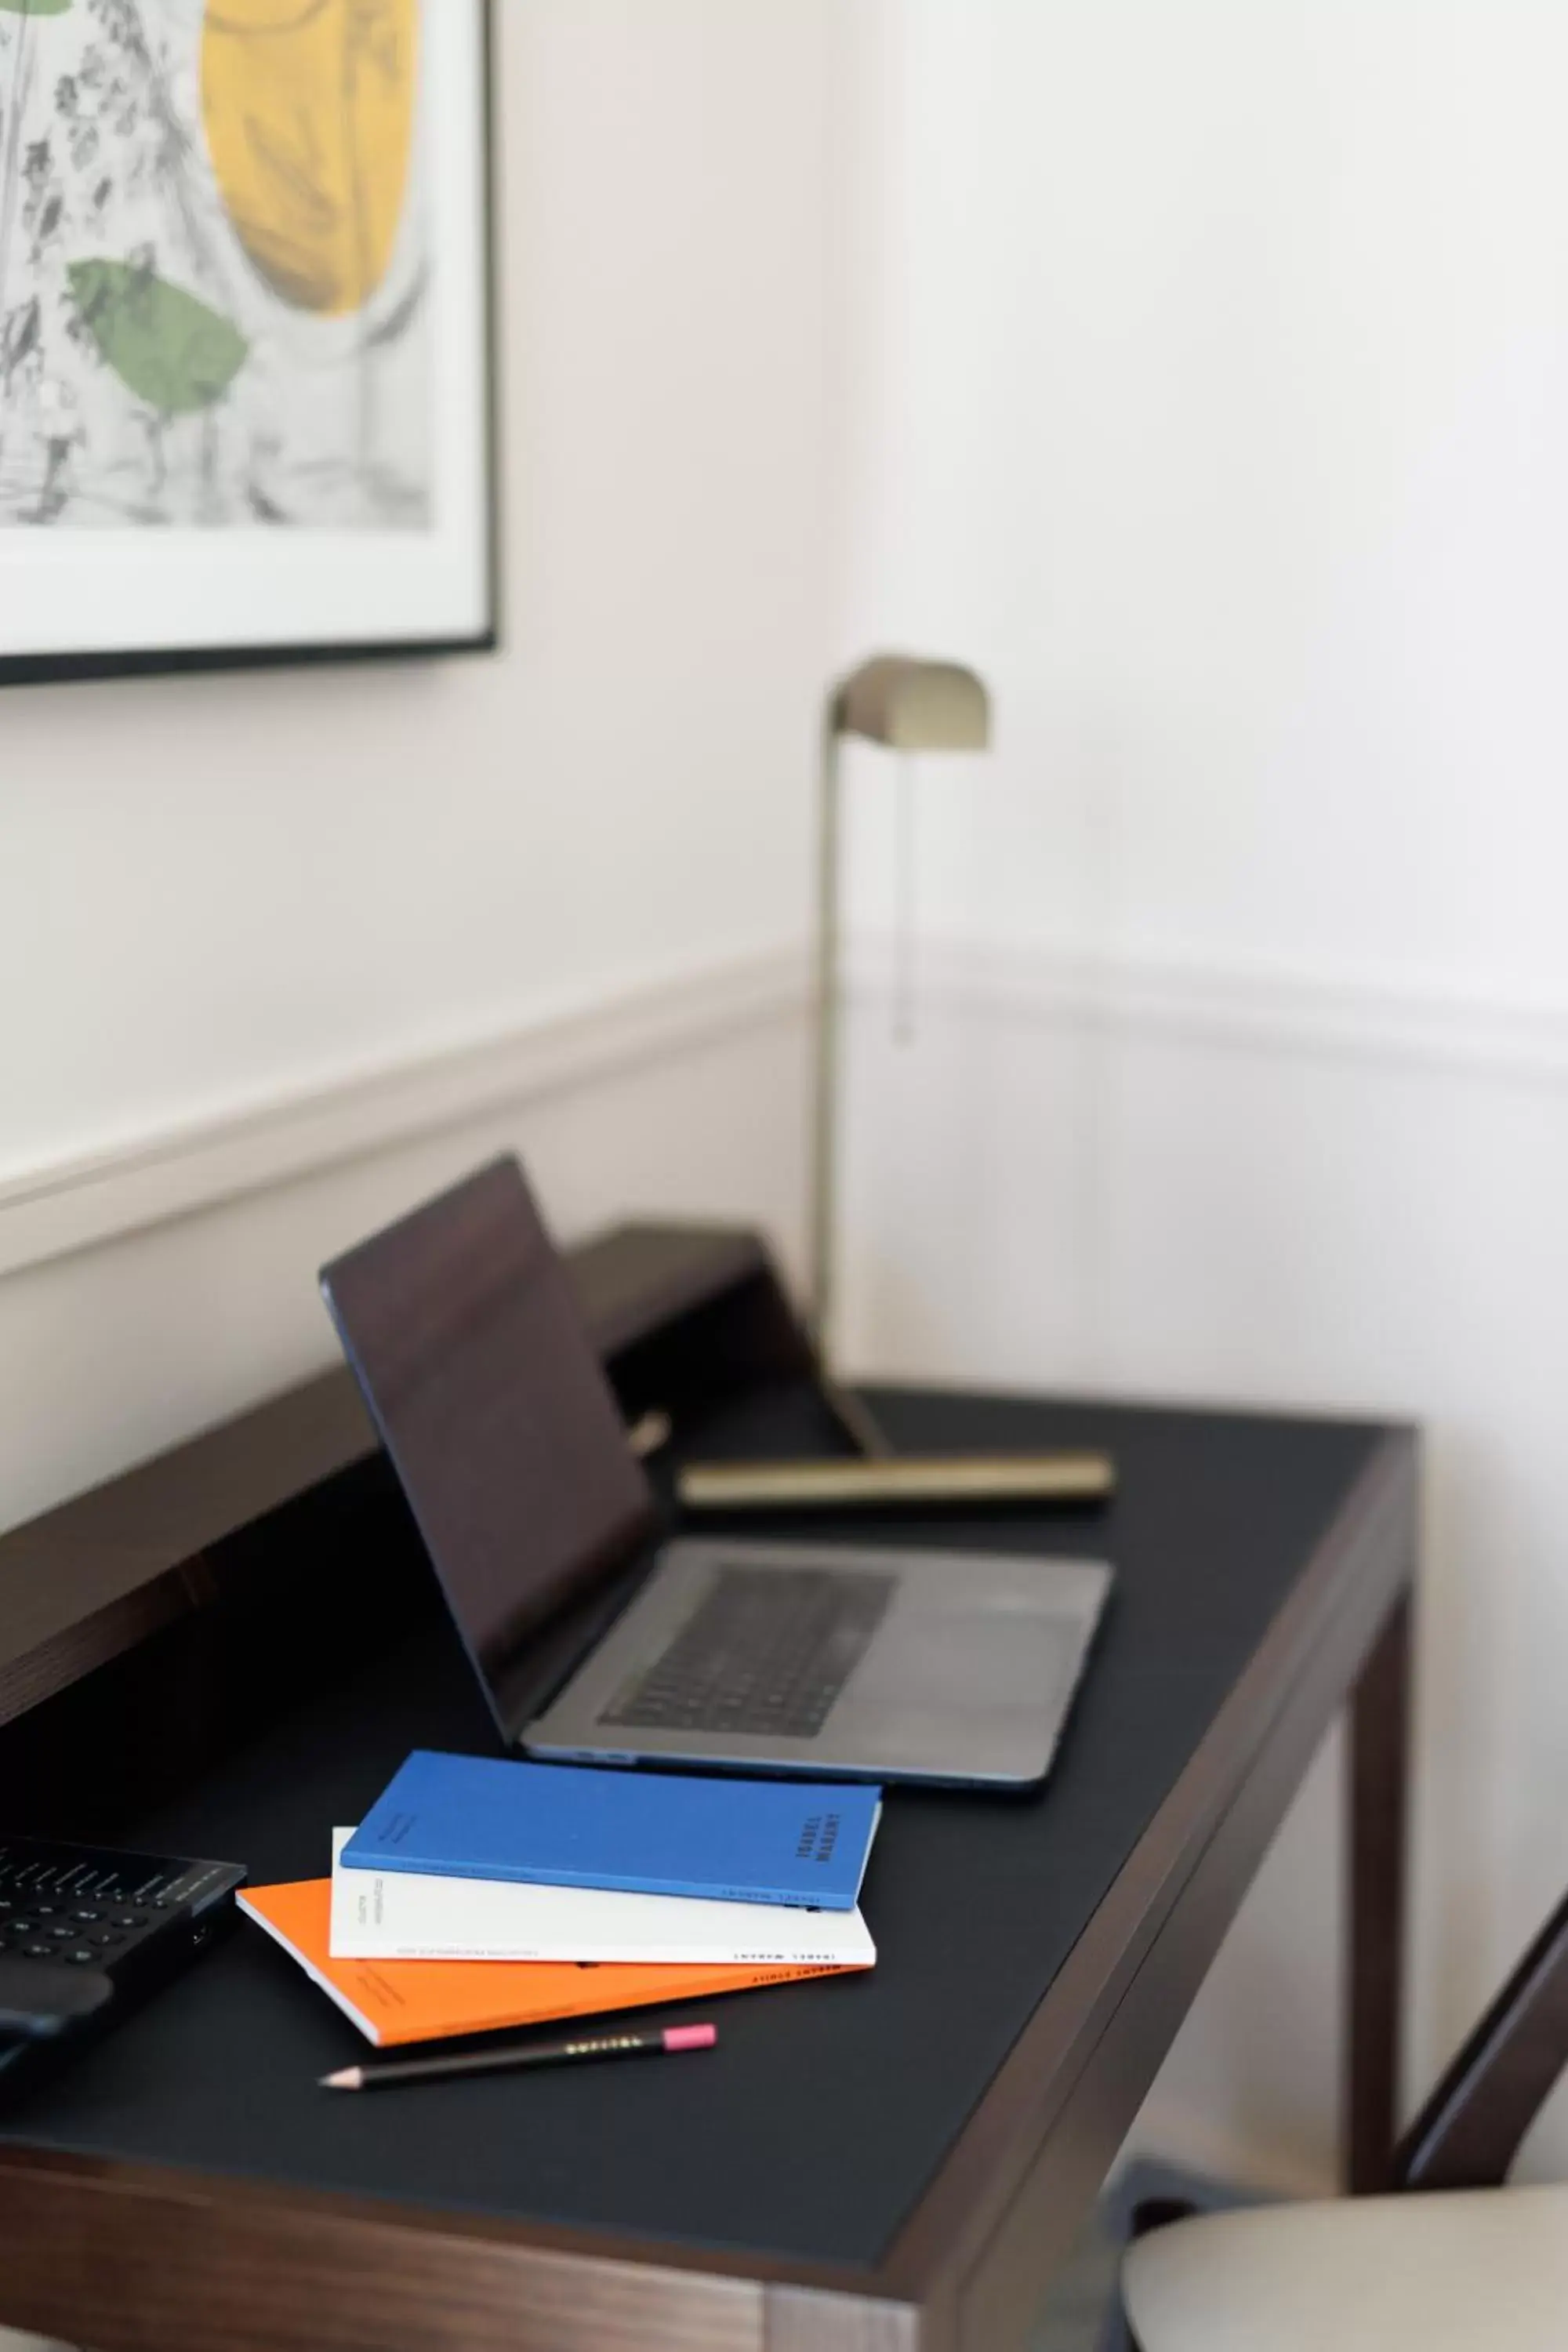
(397, 1915)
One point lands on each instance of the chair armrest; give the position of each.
(1469, 2131)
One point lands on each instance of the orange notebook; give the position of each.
(426, 2001)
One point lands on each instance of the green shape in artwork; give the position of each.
(34, 7)
(164, 345)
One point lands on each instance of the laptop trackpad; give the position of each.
(936, 1666)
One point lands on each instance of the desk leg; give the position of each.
(1378, 1790)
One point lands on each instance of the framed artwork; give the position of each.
(246, 332)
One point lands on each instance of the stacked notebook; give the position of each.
(478, 1894)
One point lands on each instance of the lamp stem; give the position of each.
(855, 1418)
(825, 1076)
(904, 910)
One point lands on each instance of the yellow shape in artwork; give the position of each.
(309, 109)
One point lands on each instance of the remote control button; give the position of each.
(81, 1957)
(87, 1916)
(38, 1951)
(22, 1927)
(63, 1935)
(43, 1910)
(130, 1919)
(106, 1940)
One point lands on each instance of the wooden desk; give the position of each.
(231, 1650)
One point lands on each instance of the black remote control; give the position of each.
(86, 1933)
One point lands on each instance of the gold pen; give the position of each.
(831, 1484)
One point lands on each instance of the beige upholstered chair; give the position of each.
(1448, 2261)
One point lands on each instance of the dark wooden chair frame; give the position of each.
(1470, 2129)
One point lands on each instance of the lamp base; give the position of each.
(856, 1419)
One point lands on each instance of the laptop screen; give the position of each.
(463, 1330)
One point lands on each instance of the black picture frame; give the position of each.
(175, 660)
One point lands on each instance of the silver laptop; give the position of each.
(874, 1661)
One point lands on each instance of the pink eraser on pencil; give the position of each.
(691, 2037)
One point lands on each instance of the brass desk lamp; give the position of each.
(906, 704)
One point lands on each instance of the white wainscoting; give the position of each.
(1232, 1185)
(154, 1287)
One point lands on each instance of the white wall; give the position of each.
(1213, 396)
(222, 897)
(1213, 365)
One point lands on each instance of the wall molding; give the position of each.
(1325, 1016)
(126, 1187)
(121, 1188)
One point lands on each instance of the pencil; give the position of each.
(660, 2044)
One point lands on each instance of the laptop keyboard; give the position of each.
(768, 1651)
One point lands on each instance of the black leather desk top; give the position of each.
(812, 2131)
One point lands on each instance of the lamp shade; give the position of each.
(914, 706)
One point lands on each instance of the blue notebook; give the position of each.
(796, 1841)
